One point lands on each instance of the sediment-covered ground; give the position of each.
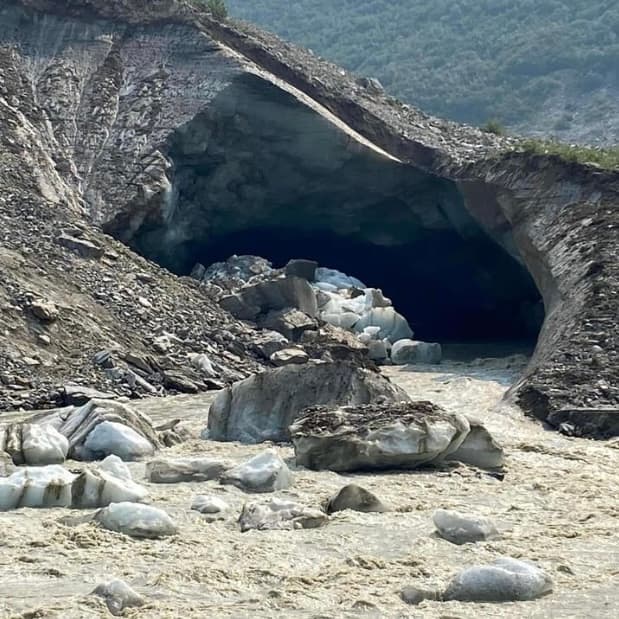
(556, 506)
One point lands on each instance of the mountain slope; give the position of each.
(540, 67)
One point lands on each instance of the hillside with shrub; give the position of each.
(539, 67)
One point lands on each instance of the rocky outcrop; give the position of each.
(119, 133)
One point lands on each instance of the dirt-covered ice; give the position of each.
(556, 506)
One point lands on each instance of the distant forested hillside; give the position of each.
(542, 67)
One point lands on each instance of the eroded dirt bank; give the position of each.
(556, 506)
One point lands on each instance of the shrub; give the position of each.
(217, 8)
(494, 126)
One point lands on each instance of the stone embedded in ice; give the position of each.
(393, 326)
(115, 466)
(136, 520)
(411, 351)
(278, 514)
(96, 488)
(208, 504)
(175, 470)
(118, 595)
(462, 528)
(45, 486)
(505, 580)
(266, 472)
(43, 444)
(110, 437)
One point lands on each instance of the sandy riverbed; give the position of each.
(557, 506)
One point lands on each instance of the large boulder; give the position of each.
(356, 498)
(263, 406)
(377, 436)
(273, 294)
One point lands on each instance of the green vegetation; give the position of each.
(217, 8)
(544, 66)
(494, 126)
(607, 158)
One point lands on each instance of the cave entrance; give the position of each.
(261, 173)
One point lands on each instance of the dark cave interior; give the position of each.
(260, 173)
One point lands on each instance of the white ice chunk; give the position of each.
(505, 580)
(46, 486)
(393, 326)
(43, 444)
(115, 466)
(462, 528)
(265, 472)
(118, 439)
(96, 488)
(208, 504)
(118, 595)
(337, 278)
(136, 520)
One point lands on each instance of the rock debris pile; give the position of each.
(299, 299)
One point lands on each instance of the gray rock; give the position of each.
(77, 395)
(136, 520)
(412, 351)
(179, 382)
(82, 247)
(596, 422)
(299, 267)
(377, 350)
(273, 294)
(462, 528)
(263, 406)
(44, 310)
(278, 514)
(176, 470)
(376, 436)
(289, 356)
(414, 595)
(267, 342)
(291, 323)
(118, 595)
(266, 472)
(356, 498)
(505, 580)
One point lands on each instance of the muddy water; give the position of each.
(556, 506)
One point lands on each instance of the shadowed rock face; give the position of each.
(183, 136)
